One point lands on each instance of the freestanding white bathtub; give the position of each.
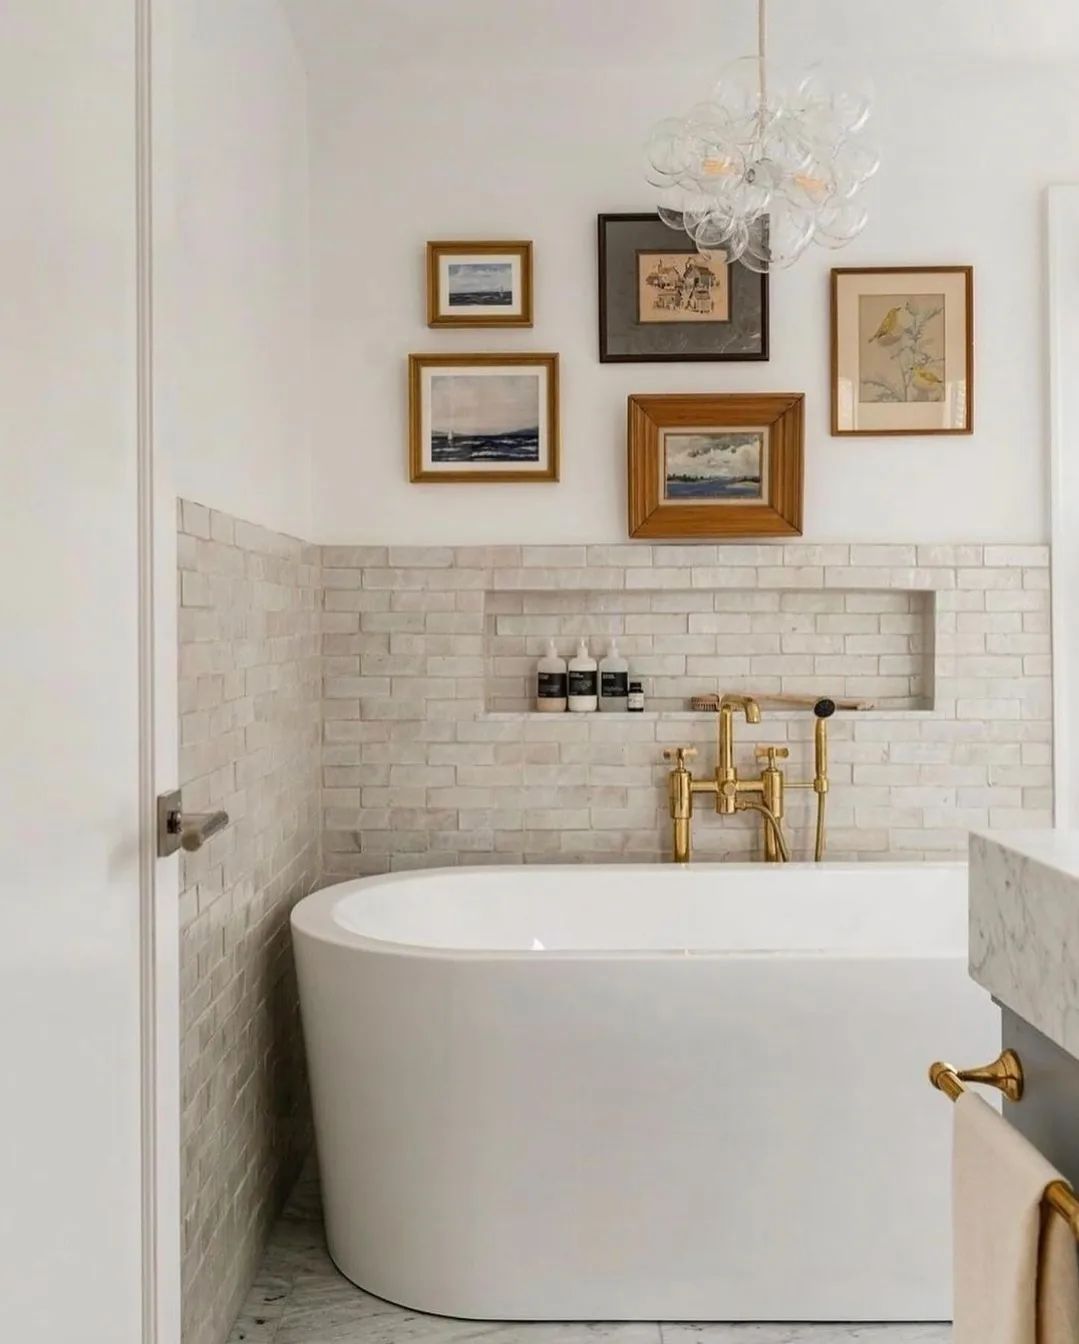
(655, 1093)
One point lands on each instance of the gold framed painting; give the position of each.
(716, 465)
(487, 417)
(479, 284)
(903, 350)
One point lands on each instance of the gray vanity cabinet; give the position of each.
(1048, 1114)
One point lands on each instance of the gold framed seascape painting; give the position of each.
(903, 350)
(479, 284)
(488, 417)
(716, 465)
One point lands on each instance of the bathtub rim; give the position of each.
(312, 917)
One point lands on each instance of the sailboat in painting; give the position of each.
(493, 418)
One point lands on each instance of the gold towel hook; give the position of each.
(1005, 1074)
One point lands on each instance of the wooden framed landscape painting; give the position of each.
(903, 350)
(479, 284)
(487, 417)
(716, 465)
(662, 300)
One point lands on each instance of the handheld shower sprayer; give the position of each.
(823, 710)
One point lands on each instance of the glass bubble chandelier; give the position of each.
(766, 165)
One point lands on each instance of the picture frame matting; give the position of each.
(481, 418)
(902, 350)
(479, 284)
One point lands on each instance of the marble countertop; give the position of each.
(1024, 926)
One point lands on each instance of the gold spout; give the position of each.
(725, 772)
(745, 703)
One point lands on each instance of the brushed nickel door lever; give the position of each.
(179, 830)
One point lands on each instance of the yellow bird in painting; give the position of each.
(889, 330)
(926, 380)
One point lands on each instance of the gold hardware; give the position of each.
(1006, 1075)
(1061, 1198)
(725, 771)
(709, 703)
(731, 793)
(775, 844)
(680, 799)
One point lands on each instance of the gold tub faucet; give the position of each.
(763, 793)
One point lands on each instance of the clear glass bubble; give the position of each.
(715, 166)
(670, 147)
(712, 230)
(671, 207)
(784, 145)
(855, 162)
(750, 194)
(738, 86)
(680, 203)
(844, 99)
(812, 188)
(734, 245)
(779, 241)
(840, 224)
(710, 121)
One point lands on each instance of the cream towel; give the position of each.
(1058, 1283)
(1012, 1285)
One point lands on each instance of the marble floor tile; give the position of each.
(324, 1311)
(262, 1312)
(300, 1297)
(814, 1333)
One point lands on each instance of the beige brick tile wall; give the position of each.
(431, 757)
(250, 711)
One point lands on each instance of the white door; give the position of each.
(87, 1163)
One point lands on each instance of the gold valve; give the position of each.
(771, 792)
(680, 799)
(679, 754)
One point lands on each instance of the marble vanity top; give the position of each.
(1024, 926)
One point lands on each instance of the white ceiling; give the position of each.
(342, 37)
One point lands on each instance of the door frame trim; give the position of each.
(160, 1277)
(1063, 484)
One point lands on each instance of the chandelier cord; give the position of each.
(761, 41)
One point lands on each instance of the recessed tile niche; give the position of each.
(873, 645)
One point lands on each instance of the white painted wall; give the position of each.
(232, 272)
(70, 1256)
(485, 119)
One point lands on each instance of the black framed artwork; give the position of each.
(661, 300)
